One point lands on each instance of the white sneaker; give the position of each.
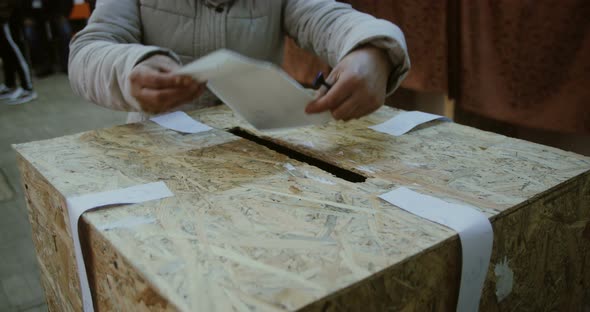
(6, 92)
(21, 96)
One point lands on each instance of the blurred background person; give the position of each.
(80, 14)
(13, 60)
(48, 32)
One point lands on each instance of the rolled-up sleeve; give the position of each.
(104, 53)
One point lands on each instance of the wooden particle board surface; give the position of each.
(251, 229)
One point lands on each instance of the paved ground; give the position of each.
(57, 112)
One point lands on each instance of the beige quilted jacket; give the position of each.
(121, 33)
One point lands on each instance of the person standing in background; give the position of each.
(48, 32)
(13, 60)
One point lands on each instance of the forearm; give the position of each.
(99, 71)
(332, 30)
(104, 53)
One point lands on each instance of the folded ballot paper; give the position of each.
(258, 91)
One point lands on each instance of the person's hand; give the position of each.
(359, 84)
(157, 89)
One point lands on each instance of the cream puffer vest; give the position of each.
(121, 33)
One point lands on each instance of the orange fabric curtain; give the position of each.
(527, 62)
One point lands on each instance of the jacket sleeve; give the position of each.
(332, 30)
(103, 54)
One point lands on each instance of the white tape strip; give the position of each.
(80, 204)
(406, 121)
(475, 232)
(180, 122)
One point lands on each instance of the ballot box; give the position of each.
(292, 220)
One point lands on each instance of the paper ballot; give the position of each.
(406, 121)
(258, 91)
(180, 122)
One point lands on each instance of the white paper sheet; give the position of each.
(475, 232)
(180, 122)
(80, 204)
(260, 92)
(406, 121)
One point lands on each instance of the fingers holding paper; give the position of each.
(157, 89)
(359, 84)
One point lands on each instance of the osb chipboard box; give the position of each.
(290, 220)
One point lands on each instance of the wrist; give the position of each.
(164, 54)
(380, 56)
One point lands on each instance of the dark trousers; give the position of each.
(49, 35)
(14, 61)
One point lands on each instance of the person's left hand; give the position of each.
(359, 84)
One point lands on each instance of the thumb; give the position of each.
(315, 106)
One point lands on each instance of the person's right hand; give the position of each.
(157, 89)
